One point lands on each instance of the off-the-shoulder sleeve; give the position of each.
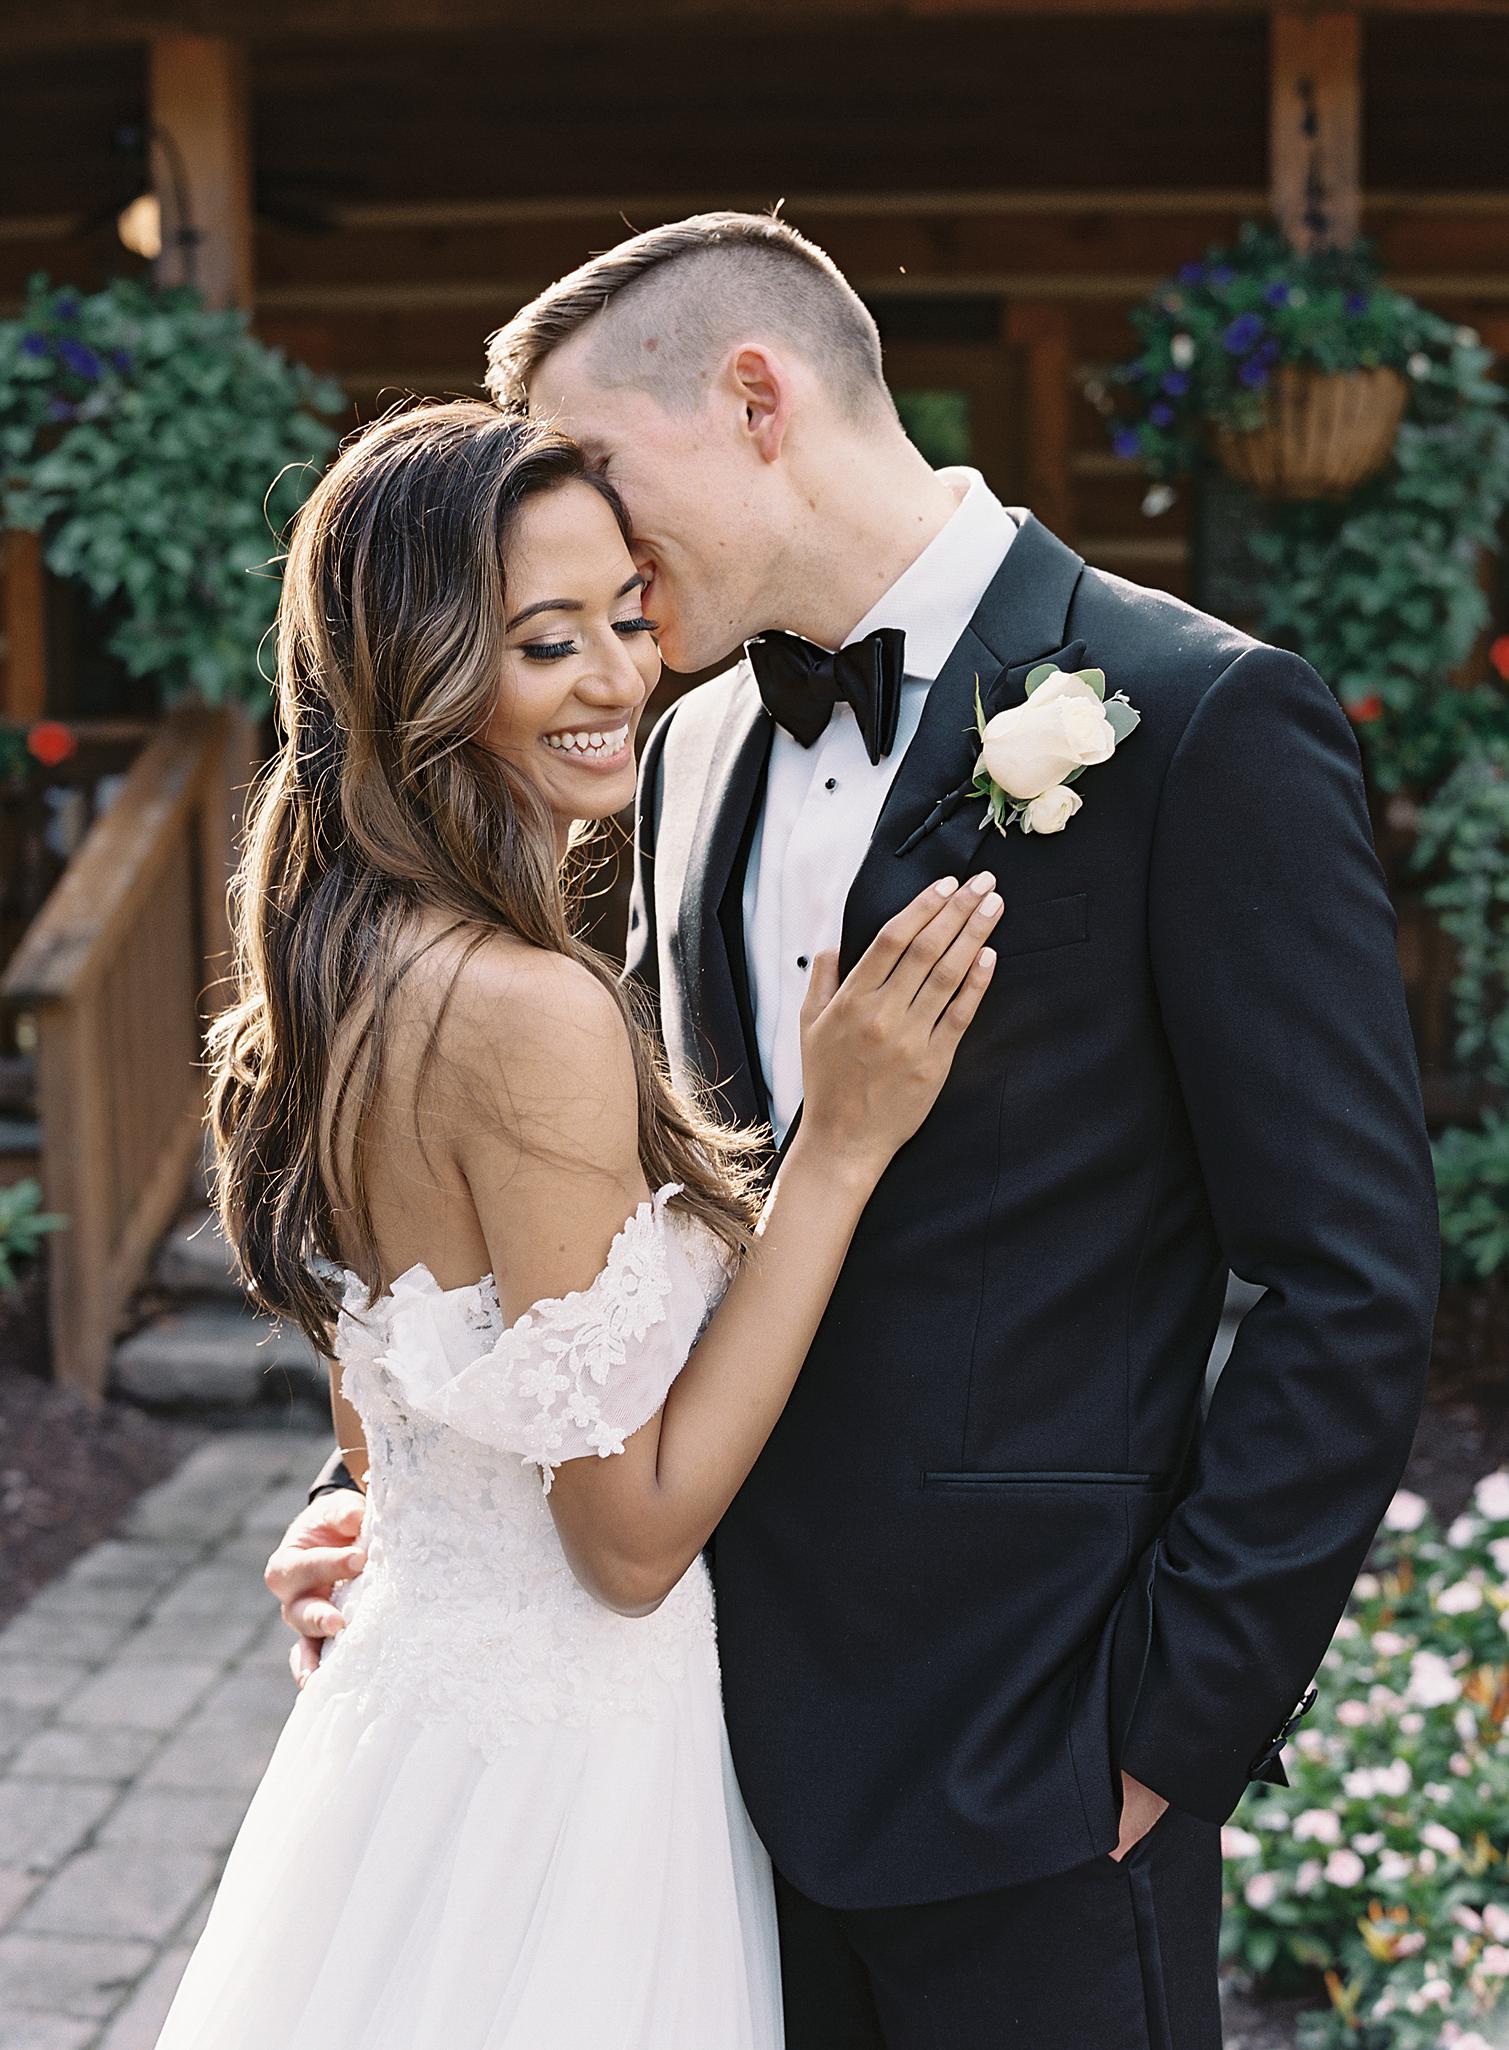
(572, 1375)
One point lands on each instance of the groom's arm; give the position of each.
(1273, 950)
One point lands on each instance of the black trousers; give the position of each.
(1110, 1955)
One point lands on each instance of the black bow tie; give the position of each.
(801, 684)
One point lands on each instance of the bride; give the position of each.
(501, 1815)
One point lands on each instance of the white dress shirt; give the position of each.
(821, 802)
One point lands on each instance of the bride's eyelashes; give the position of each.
(555, 651)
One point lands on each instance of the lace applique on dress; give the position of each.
(467, 1609)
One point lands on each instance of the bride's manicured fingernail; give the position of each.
(982, 882)
(946, 885)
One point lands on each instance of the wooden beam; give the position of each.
(1315, 125)
(1042, 331)
(93, 22)
(23, 615)
(201, 162)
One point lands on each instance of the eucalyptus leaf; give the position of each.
(1039, 675)
(1096, 678)
(1121, 717)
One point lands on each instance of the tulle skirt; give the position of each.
(594, 1888)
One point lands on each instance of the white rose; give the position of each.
(1406, 1511)
(1261, 1890)
(1030, 747)
(1051, 810)
(1319, 1824)
(1492, 1497)
(1182, 350)
(1432, 1684)
(1460, 1599)
(1344, 1868)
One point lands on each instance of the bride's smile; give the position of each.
(581, 658)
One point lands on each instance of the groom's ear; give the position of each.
(762, 384)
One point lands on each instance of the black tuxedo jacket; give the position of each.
(993, 1552)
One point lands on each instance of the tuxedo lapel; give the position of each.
(1019, 622)
(710, 922)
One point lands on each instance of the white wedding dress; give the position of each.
(500, 1816)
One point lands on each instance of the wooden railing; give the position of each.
(118, 970)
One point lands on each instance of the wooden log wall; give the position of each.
(413, 190)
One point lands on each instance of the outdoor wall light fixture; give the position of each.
(139, 223)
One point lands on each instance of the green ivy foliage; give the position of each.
(1382, 592)
(160, 449)
(23, 1226)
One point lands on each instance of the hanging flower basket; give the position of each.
(1297, 368)
(1325, 432)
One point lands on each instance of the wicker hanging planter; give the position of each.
(1326, 433)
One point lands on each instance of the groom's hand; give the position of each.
(315, 1553)
(1140, 1809)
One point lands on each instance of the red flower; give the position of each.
(1498, 655)
(1363, 711)
(51, 742)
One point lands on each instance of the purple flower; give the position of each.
(1253, 373)
(1223, 275)
(1127, 442)
(1243, 334)
(59, 409)
(1175, 383)
(120, 359)
(1192, 274)
(1355, 303)
(33, 345)
(81, 360)
(66, 306)
(1161, 414)
(1276, 294)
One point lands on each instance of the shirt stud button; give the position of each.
(831, 784)
(801, 960)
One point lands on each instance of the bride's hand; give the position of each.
(877, 1048)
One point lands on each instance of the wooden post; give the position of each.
(1315, 125)
(23, 615)
(1042, 330)
(201, 165)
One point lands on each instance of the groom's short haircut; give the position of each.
(666, 305)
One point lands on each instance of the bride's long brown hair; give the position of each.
(382, 800)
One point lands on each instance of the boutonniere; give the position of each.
(1032, 752)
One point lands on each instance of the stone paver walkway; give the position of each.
(140, 1696)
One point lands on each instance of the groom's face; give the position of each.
(697, 503)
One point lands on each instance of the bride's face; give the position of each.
(580, 660)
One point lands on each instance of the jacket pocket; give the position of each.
(1021, 1477)
(1046, 922)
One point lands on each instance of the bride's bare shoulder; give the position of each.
(542, 1039)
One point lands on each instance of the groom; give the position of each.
(1006, 1625)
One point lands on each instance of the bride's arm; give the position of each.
(551, 1158)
